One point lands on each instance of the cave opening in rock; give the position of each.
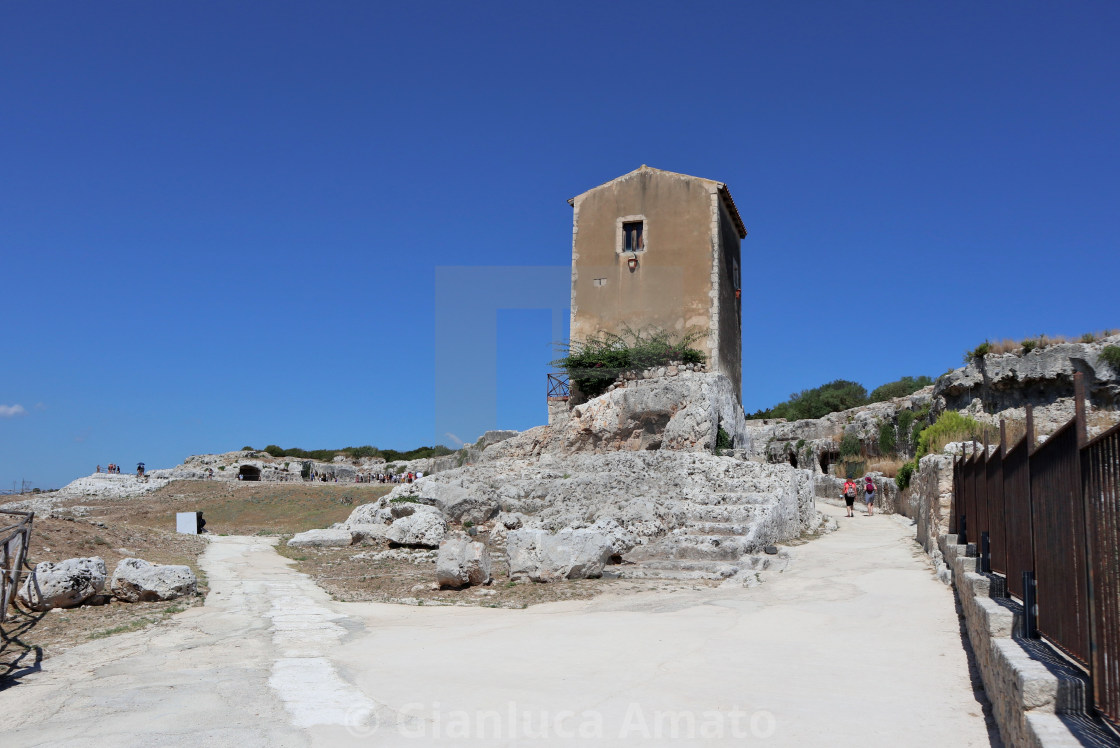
(249, 472)
(793, 459)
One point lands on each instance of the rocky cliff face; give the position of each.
(1002, 385)
(682, 412)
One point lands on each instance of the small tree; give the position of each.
(887, 438)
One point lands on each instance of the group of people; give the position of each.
(116, 469)
(851, 489)
(389, 477)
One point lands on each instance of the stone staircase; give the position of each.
(722, 535)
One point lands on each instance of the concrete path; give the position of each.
(855, 645)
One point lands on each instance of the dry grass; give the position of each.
(1045, 341)
(888, 466)
(1005, 346)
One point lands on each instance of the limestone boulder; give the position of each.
(683, 412)
(330, 538)
(569, 554)
(63, 584)
(136, 580)
(462, 563)
(422, 528)
(369, 533)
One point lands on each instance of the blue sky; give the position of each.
(221, 223)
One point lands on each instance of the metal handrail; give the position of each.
(13, 557)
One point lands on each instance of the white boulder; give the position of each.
(462, 563)
(329, 538)
(64, 584)
(136, 580)
(569, 554)
(421, 528)
(370, 533)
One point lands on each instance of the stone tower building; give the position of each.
(657, 249)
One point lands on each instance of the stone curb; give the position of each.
(1027, 696)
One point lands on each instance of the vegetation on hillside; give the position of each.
(950, 426)
(594, 363)
(899, 388)
(1020, 347)
(357, 453)
(838, 395)
(1110, 354)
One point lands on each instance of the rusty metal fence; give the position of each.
(1047, 517)
(15, 537)
(1100, 476)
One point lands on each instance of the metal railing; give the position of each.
(558, 387)
(1047, 517)
(1100, 476)
(15, 537)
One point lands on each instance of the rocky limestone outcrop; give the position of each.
(541, 556)
(420, 529)
(999, 386)
(681, 413)
(63, 584)
(462, 562)
(814, 443)
(680, 500)
(329, 538)
(136, 580)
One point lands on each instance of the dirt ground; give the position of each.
(376, 573)
(144, 527)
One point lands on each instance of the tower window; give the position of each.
(632, 236)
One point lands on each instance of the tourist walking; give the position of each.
(869, 495)
(850, 496)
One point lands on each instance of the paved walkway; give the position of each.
(854, 645)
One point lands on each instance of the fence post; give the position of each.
(1030, 606)
(1082, 427)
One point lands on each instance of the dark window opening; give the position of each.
(632, 236)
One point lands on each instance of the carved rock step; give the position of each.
(747, 497)
(698, 547)
(678, 569)
(742, 529)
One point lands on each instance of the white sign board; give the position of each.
(186, 522)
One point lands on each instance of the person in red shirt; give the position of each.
(850, 496)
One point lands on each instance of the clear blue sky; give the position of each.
(221, 223)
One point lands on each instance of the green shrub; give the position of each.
(899, 388)
(905, 421)
(835, 396)
(850, 446)
(853, 467)
(594, 363)
(1029, 345)
(978, 352)
(723, 439)
(886, 438)
(247, 449)
(902, 479)
(1088, 337)
(951, 426)
(1110, 354)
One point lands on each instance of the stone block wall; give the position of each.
(1028, 692)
